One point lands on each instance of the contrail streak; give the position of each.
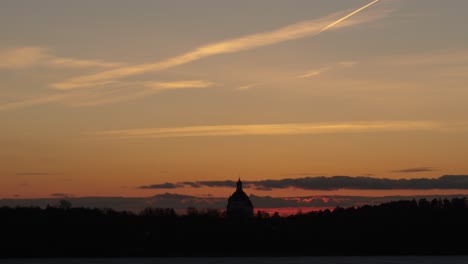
(243, 43)
(348, 16)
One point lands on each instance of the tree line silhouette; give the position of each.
(435, 227)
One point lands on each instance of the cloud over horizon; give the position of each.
(335, 183)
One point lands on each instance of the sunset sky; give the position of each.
(137, 98)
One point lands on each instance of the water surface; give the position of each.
(253, 260)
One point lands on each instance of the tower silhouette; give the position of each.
(239, 204)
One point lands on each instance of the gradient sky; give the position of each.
(98, 98)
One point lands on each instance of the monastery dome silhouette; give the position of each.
(239, 204)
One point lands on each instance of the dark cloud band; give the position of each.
(419, 169)
(334, 183)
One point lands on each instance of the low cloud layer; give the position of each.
(335, 183)
(418, 169)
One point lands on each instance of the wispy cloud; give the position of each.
(107, 93)
(339, 182)
(78, 63)
(322, 70)
(29, 56)
(413, 170)
(246, 86)
(34, 101)
(304, 75)
(88, 98)
(109, 90)
(295, 31)
(270, 129)
(21, 57)
(314, 73)
(178, 84)
(125, 91)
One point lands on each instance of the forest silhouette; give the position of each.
(427, 227)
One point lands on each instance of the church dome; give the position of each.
(239, 204)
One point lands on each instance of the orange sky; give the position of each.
(109, 97)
